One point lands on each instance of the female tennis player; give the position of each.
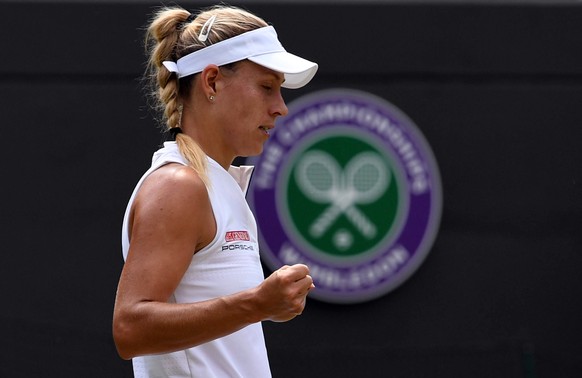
(192, 294)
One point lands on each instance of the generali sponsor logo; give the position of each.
(237, 236)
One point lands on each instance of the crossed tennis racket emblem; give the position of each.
(363, 180)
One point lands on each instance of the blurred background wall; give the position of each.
(495, 87)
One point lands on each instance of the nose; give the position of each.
(280, 108)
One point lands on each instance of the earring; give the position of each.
(211, 98)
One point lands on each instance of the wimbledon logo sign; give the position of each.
(348, 186)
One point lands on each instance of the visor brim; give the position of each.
(298, 71)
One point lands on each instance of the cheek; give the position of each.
(248, 105)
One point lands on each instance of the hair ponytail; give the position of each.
(161, 39)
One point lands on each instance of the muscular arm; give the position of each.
(171, 219)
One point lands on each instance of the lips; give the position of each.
(265, 129)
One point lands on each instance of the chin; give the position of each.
(253, 152)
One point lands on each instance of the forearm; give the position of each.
(156, 327)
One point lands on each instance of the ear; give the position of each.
(208, 78)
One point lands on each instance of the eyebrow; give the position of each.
(279, 76)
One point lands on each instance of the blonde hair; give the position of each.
(173, 34)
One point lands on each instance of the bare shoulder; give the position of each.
(173, 202)
(174, 181)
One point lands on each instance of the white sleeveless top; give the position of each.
(229, 264)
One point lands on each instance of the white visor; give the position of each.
(260, 46)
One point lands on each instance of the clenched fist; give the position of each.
(282, 295)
